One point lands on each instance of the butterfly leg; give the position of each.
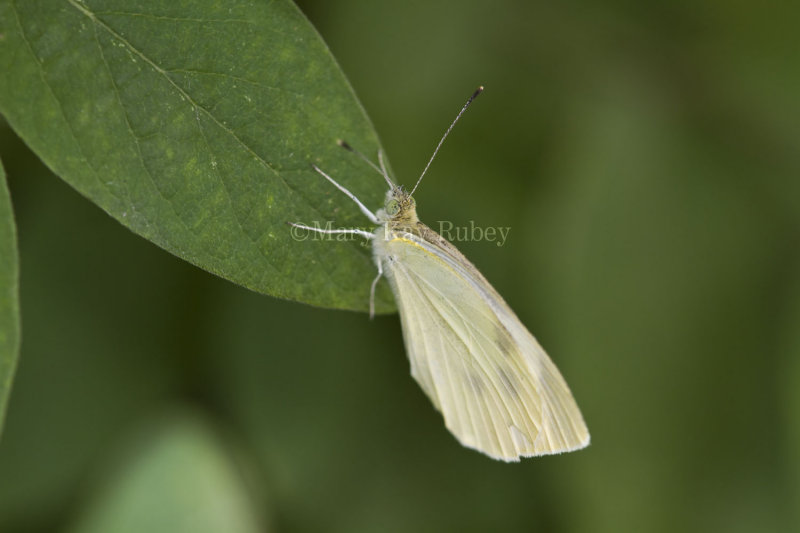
(372, 290)
(369, 214)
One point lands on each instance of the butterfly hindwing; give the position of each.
(495, 386)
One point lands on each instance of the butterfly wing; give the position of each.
(496, 388)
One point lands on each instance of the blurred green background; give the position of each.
(647, 159)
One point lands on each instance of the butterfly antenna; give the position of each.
(478, 91)
(380, 170)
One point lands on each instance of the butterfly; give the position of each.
(496, 388)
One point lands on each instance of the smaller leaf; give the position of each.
(9, 297)
(177, 478)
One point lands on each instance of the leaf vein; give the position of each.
(229, 196)
(136, 139)
(232, 77)
(171, 18)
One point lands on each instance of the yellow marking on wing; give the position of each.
(403, 239)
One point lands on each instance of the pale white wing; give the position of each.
(496, 388)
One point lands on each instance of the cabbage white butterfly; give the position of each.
(497, 389)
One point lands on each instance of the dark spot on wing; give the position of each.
(477, 384)
(503, 339)
(508, 379)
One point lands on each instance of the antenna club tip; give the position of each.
(344, 144)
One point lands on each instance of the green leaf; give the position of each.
(194, 124)
(175, 478)
(9, 297)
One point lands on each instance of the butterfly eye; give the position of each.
(392, 207)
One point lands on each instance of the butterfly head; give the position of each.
(400, 207)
